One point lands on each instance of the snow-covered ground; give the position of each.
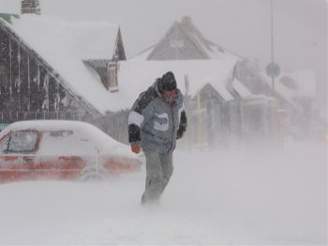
(215, 197)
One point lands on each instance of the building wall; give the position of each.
(213, 121)
(29, 88)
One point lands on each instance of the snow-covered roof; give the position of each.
(135, 76)
(296, 84)
(211, 49)
(180, 32)
(49, 125)
(65, 44)
(76, 39)
(242, 90)
(305, 84)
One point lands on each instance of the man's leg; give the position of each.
(154, 177)
(167, 168)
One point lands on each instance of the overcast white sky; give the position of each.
(242, 26)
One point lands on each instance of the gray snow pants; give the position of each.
(159, 169)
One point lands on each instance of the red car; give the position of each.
(61, 150)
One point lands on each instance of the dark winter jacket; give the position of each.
(154, 123)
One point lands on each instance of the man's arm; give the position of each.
(183, 124)
(182, 115)
(137, 118)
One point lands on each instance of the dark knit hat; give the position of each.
(167, 82)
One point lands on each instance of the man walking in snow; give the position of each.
(156, 120)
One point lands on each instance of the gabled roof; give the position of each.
(64, 45)
(289, 87)
(297, 84)
(183, 41)
(81, 40)
(236, 87)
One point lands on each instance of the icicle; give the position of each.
(38, 76)
(18, 80)
(28, 84)
(10, 69)
(46, 88)
(18, 85)
(57, 98)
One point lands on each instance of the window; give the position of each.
(61, 133)
(4, 144)
(23, 141)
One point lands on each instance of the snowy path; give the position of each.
(214, 197)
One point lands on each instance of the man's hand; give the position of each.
(135, 148)
(183, 125)
(180, 133)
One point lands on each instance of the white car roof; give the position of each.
(48, 125)
(94, 133)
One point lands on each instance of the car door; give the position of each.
(61, 154)
(18, 154)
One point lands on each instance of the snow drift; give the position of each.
(215, 197)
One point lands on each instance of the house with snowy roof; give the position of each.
(51, 68)
(299, 89)
(294, 94)
(183, 41)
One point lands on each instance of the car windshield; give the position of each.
(23, 141)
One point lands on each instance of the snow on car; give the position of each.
(58, 149)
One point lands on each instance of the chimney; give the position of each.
(30, 7)
(186, 20)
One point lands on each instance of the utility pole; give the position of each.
(272, 69)
(272, 41)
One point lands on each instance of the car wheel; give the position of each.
(91, 174)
